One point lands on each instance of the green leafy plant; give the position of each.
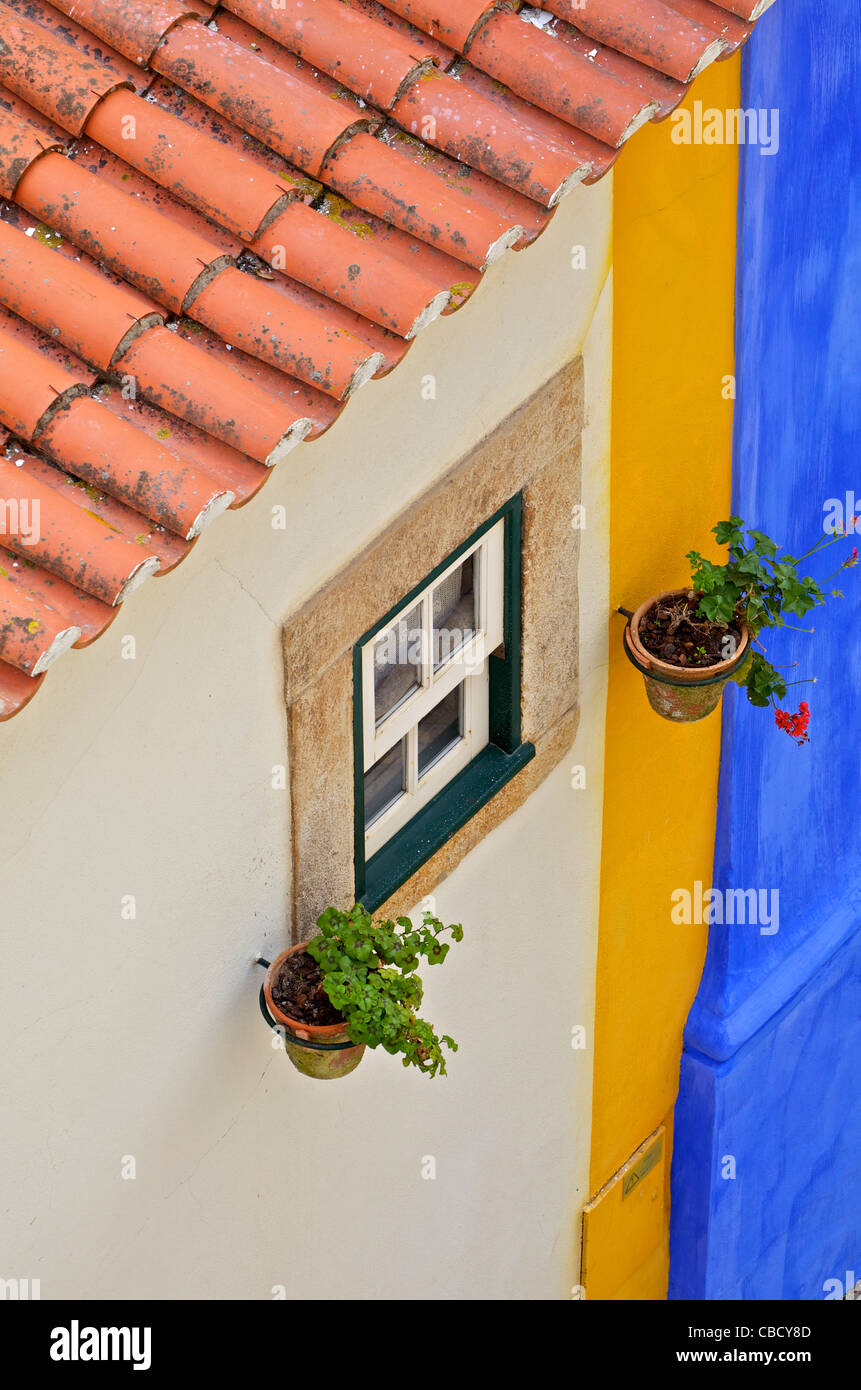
(369, 975)
(758, 585)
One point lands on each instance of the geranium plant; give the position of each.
(369, 976)
(758, 586)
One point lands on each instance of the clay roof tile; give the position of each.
(222, 219)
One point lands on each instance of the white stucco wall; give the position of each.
(151, 777)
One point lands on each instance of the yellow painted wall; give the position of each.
(674, 290)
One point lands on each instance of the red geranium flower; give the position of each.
(794, 724)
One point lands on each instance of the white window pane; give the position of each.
(384, 783)
(455, 614)
(440, 730)
(397, 663)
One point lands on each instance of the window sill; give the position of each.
(449, 811)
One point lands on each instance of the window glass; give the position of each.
(455, 616)
(384, 782)
(397, 663)
(440, 730)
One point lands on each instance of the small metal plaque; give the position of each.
(633, 1179)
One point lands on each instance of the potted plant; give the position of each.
(354, 986)
(688, 643)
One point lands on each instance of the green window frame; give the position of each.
(378, 877)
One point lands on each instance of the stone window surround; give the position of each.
(535, 450)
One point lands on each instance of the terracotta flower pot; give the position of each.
(675, 692)
(308, 1052)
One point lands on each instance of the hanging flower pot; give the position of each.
(355, 985)
(686, 682)
(291, 989)
(687, 643)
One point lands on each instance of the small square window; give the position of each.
(425, 676)
(437, 707)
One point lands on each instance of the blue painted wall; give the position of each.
(771, 1073)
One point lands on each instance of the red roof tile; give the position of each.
(223, 219)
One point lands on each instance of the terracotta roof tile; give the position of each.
(182, 270)
(89, 615)
(20, 145)
(134, 27)
(559, 79)
(70, 300)
(420, 200)
(453, 21)
(49, 348)
(16, 687)
(746, 9)
(222, 219)
(233, 472)
(74, 544)
(376, 65)
(653, 86)
(33, 631)
(419, 41)
(152, 538)
(271, 103)
(160, 256)
(660, 37)
(480, 133)
(222, 184)
(206, 391)
(33, 386)
(57, 20)
(337, 251)
(722, 22)
(102, 449)
(51, 74)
